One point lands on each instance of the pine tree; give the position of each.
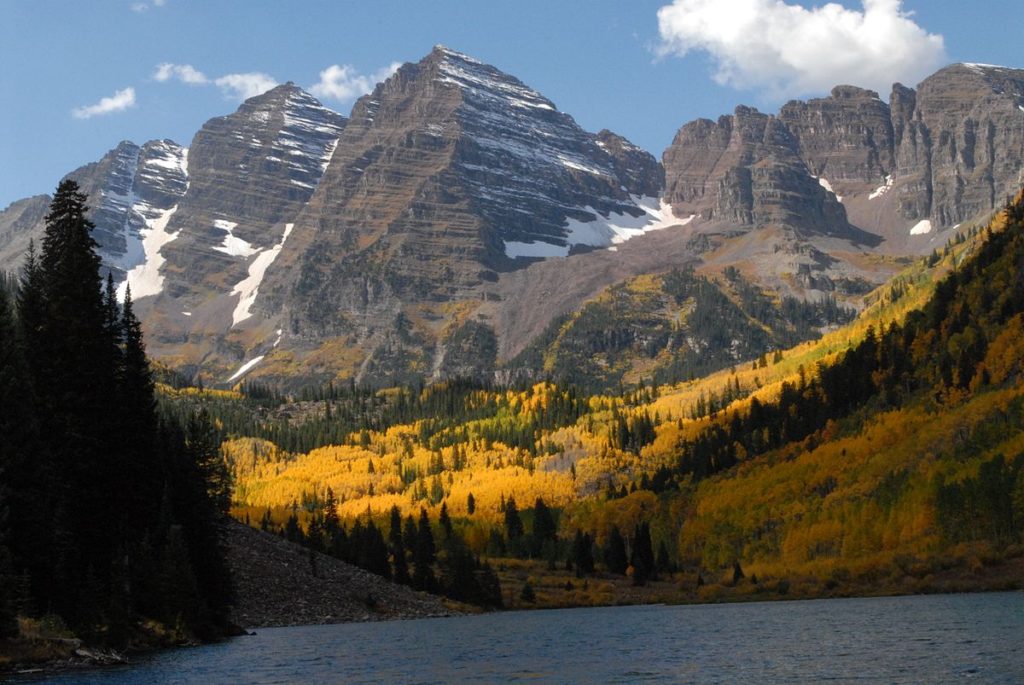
(615, 552)
(141, 466)
(401, 566)
(24, 527)
(203, 442)
(73, 369)
(513, 524)
(642, 558)
(545, 532)
(424, 554)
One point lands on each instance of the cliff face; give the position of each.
(963, 137)
(943, 154)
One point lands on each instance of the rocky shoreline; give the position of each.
(278, 583)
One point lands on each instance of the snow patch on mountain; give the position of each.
(144, 278)
(882, 189)
(248, 288)
(232, 244)
(245, 368)
(603, 231)
(823, 182)
(921, 227)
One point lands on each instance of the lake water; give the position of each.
(923, 639)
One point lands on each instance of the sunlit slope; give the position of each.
(546, 441)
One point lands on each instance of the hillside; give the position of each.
(279, 584)
(888, 452)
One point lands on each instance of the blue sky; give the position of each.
(78, 77)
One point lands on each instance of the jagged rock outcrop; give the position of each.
(746, 170)
(846, 137)
(962, 143)
(249, 174)
(929, 159)
(130, 187)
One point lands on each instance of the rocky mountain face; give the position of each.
(128, 189)
(945, 153)
(831, 179)
(440, 228)
(449, 174)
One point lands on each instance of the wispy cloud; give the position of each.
(244, 86)
(144, 6)
(234, 86)
(185, 73)
(118, 102)
(786, 50)
(343, 82)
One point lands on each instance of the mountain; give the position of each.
(885, 458)
(447, 175)
(442, 227)
(888, 179)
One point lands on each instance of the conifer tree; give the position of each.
(73, 369)
(615, 552)
(544, 528)
(399, 562)
(424, 554)
(642, 558)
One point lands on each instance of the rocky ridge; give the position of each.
(440, 228)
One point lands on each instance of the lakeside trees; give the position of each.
(109, 513)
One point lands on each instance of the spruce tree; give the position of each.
(424, 554)
(544, 529)
(513, 527)
(398, 560)
(642, 558)
(73, 369)
(23, 474)
(138, 415)
(615, 552)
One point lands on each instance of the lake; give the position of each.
(919, 639)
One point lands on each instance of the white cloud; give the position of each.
(344, 82)
(244, 86)
(235, 86)
(185, 73)
(118, 102)
(787, 50)
(143, 6)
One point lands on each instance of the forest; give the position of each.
(110, 510)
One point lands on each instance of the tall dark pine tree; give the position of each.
(545, 532)
(73, 369)
(615, 552)
(138, 416)
(642, 558)
(105, 503)
(401, 566)
(423, 556)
